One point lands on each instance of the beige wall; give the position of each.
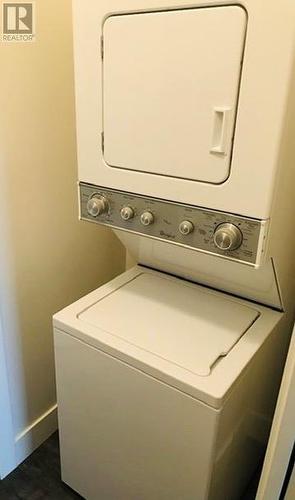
(48, 258)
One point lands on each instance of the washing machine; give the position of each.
(167, 376)
(164, 389)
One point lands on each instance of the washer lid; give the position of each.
(174, 320)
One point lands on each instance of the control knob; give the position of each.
(127, 213)
(228, 237)
(97, 205)
(186, 227)
(147, 218)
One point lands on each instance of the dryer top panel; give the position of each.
(170, 91)
(186, 325)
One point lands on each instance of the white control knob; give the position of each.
(127, 213)
(186, 227)
(228, 237)
(147, 218)
(97, 205)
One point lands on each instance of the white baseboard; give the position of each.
(34, 435)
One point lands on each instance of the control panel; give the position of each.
(227, 235)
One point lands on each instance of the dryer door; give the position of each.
(170, 91)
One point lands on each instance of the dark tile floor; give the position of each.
(38, 478)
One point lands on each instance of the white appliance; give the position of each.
(158, 389)
(166, 386)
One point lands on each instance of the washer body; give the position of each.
(157, 389)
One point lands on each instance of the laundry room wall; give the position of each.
(47, 257)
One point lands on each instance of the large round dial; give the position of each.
(147, 218)
(228, 237)
(97, 205)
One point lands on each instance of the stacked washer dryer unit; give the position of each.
(167, 376)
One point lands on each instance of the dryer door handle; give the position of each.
(221, 128)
